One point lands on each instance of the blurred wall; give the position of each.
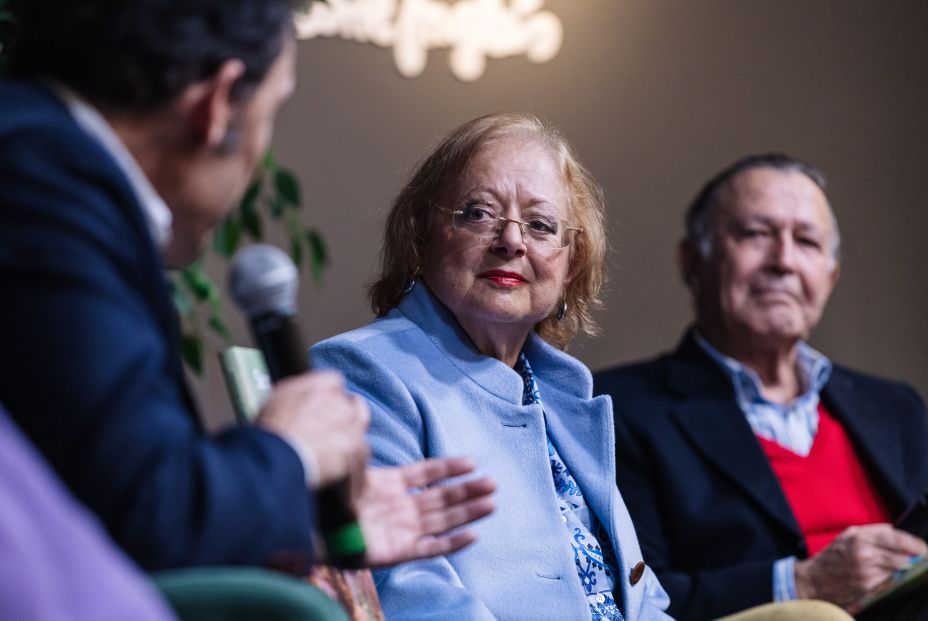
(657, 96)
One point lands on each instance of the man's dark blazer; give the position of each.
(89, 364)
(708, 509)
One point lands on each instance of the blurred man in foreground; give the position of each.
(132, 129)
(753, 468)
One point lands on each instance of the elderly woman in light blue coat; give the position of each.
(493, 261)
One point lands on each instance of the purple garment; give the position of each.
(56, 562)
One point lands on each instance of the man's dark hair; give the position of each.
(141, 54)
(699, 214)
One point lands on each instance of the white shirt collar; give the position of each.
(157, 214)
(813, 369)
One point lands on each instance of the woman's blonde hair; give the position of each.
(408, 223)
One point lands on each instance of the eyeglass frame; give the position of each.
(503, 220)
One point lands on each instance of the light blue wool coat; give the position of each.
(432, 394)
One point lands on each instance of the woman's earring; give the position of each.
(562, 310)
(411, 281)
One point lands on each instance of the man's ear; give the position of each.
(208, 105)
(689, 261)
(835, 273)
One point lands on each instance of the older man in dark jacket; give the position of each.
(753, 468)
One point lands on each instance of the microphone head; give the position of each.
(263, 280)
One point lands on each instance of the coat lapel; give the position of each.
(582, 430)
(579, 426)
(710, 417)
(873, 433)
(585, 440)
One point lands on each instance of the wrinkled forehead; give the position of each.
(781, 197)
(514, 147)
(515, 163)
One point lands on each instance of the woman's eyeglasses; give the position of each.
(539, 231)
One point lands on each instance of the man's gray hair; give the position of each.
(700, 213)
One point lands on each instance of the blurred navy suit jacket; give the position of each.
(89, 362)
(710, 514)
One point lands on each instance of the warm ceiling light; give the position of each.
(473, 30)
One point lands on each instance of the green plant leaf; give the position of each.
(227, 236)
(270, 162)
(196, 280)
(288, 188)
(318, 254)
(251, 222)
(215, 301)
(191, 349)
(296, 250)
(277, 207)
(273, 194)
(251, 195)
(220, 328)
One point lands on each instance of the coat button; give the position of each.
(637, 571)
(600, 599)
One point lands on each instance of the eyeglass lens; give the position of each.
(537, 229)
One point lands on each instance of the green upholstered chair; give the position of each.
(244, 594)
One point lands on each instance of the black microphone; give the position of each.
(264, 282)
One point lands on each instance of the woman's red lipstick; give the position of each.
(503, 278)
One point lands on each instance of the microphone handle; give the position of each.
(279, 339)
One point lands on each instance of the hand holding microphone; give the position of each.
(315, 411)
(324, 423)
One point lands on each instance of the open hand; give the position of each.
(402, 524)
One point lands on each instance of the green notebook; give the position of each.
(247, 380)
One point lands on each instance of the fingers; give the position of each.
(360, 410)
(316, 381)
(880, 551)
(324, 377)
(858, 560)
(437, 546)
(404, 519)
(906, 543)
(426, 472)
(446, 507)
(307, 393)
(316, 414)
(885, 561)
(439, 497)
(448, 518)
(886, 540)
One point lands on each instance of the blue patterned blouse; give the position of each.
(595, 563)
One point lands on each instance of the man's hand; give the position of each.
(854, 563)
(401, 524)
(314, 412)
